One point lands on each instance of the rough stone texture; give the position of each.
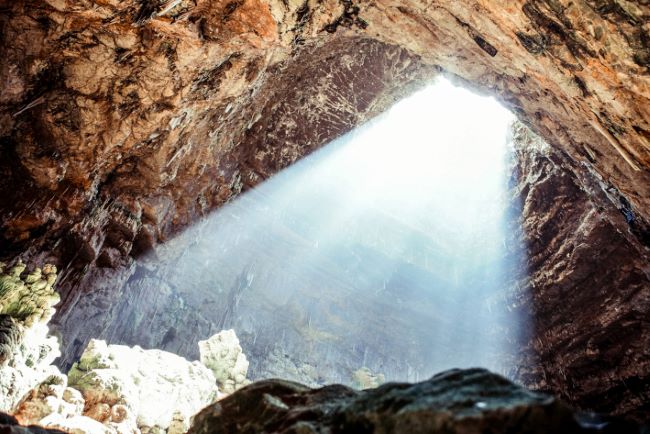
(26, 349)
(78, 425)
(50, 397)
(121, 122)
(223, 355)
(126, 120)
(590, 321)
(363, 378)
(131, 389)
(28, 299)
(470, 401)
(120, 390)
(52, 405)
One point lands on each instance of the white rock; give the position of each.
(155, 386)
(364, 378)
(26, 350)
(73, 402)
(224, 356)
(76, 425)
(29, 365)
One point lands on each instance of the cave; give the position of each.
(145, 145)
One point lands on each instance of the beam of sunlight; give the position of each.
(384, 249)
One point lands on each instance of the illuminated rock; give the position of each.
(48, 398)
(29, 299)
(364, 378)
(26, 350)
(78, 425)
(130, 388)
(224, 356)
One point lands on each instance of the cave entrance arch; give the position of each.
(576, 71)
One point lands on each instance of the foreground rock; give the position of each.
(456, 401)
(131, 389)
(113, 389)
(225, 357)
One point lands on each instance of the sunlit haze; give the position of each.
(385, 249)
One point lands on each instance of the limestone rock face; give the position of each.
(26, 349)
(55, 406)
(364, 378)
(223, 355)
(29, 299)
(169, 112)
(586, 318)
(458, 401)
(114, 389)
(130, 388)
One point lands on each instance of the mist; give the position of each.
(385, 249)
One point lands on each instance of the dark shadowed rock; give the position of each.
(9, 425)
(455, 401)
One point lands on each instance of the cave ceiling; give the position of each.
(123, 121)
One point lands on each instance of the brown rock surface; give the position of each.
(589, 285)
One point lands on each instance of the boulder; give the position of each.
(76, 425)
(453, 402)
(225, 357)
(131, 388)
(364, 378)
(50, 397)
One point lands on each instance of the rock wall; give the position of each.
(126, 121)
(130, 388)
(591, 334)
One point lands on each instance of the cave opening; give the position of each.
(386, 255)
